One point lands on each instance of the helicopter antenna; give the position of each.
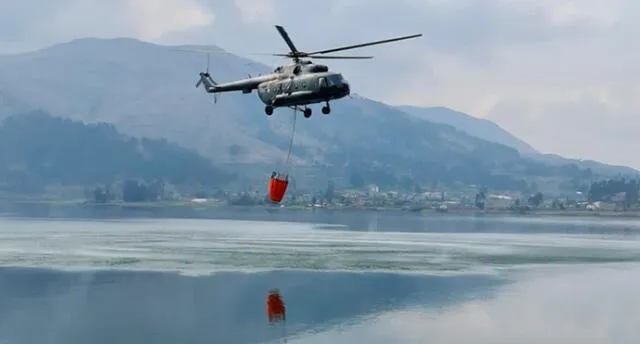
(295, 54)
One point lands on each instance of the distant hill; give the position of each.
(11, 105)
(490, 131)
(597, 167)
(478, 127)
(148, 90)
(38, 150)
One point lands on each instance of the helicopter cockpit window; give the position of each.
(296, 70)
(322, 82)
(335, 79)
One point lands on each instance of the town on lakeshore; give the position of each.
(602, 198)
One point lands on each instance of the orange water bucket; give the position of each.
(277, 189)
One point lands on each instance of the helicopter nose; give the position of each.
(345, 87)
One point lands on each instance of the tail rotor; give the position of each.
(205, 74)
(205, 77)
(207, 80)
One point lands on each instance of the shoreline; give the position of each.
(7, 206)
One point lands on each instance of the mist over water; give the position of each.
(346, 278)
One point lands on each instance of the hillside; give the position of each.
(38, 150)
(148, 90)
(490, 131)
(11, 105)
(478, 127)
(597, 167)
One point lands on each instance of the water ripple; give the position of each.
(207, 246)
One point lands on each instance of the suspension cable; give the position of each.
(293, 131)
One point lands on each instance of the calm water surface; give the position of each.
(347, 277)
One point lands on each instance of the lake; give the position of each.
(346, 277)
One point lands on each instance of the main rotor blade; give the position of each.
(340, 57)
(364, 44)
(286, 38)
(303, 55)
(218, 51)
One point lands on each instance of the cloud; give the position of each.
(154, 19)
(257, 10)
(70, 19)
(542, 308)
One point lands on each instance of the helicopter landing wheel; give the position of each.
(326, 110)
(268, 110)
(307, 112)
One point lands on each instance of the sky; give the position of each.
(560, 74)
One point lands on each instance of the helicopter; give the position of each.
(296, 85)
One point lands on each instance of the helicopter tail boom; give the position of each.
(244, 85)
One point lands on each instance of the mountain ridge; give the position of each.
(488, 130)
(478, 127)
(147, 90)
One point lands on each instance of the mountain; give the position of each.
(597, 167)
(478, 127)
(490, 131)
(39, 150)
(10, 105)
(148, 90)
(143, 89)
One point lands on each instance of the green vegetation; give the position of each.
(429, 162)
(622, 191)
(38, 150)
